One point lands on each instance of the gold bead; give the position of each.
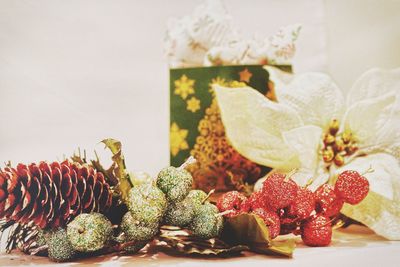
(328, 154)
(338, 160)
(346, 137)
(329, 139)
(339, 145)
(334, 127)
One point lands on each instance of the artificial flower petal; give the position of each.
(374, 83)
(314, 96)
(278, 77)
(254, 126)
(373, 122)
(305, 141)
(380, 210)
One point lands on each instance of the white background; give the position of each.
(75, 72)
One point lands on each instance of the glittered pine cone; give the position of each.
(50, 195)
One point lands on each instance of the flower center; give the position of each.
(337, 145)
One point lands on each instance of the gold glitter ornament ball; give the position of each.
(89, 232)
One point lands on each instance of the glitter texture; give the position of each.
(181, 214)
(328, 202)
(271, 220)
(317, 232)
(207, 223)
(279, 191)
(135, 230)
(303, 204)
(89, 232)
(233, 201)
(352, 187)
(197, 195)
(147, 203)
(175, 183)
(60, 249)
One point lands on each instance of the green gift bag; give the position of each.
(196, 128)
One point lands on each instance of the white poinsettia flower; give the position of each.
(314, 128)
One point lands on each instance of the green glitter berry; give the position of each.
(60, 249)
(41, 237)
(135, 230)
(175, 183)
(197, 195)
(89, 232)
(207, 223)
(180, 214)
(147, 203)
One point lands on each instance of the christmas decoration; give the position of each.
(270, 219)
(328, 202)
(89, 232)
(135, 230)
(48, 195)
(304, 212)
(218, 165)
(312, 127)
(231, 201)
(175, 183)
(351, 187)
(181, 213)
(207, 223)
(317, 232)
(279, 191)
(147, 203)
(60, 249)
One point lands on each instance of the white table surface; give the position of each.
(354, 246)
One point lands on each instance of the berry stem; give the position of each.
(191, 160)
(369, 170)
(208, 196)
(224, 213)
(291, 173)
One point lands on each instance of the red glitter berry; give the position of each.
(328, 203)
(256, 200)
(317, 232)
(303, 204)
(279, 191)
(352, 187)
(232, 201)
(271, 219)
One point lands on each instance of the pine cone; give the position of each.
(50, 195)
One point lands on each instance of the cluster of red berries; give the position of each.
(287, 208)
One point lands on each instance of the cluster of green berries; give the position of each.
(167, 199)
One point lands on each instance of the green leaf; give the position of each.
(250, 230)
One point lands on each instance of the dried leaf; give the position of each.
(249, 229)
(116, 173)
(181, 241)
